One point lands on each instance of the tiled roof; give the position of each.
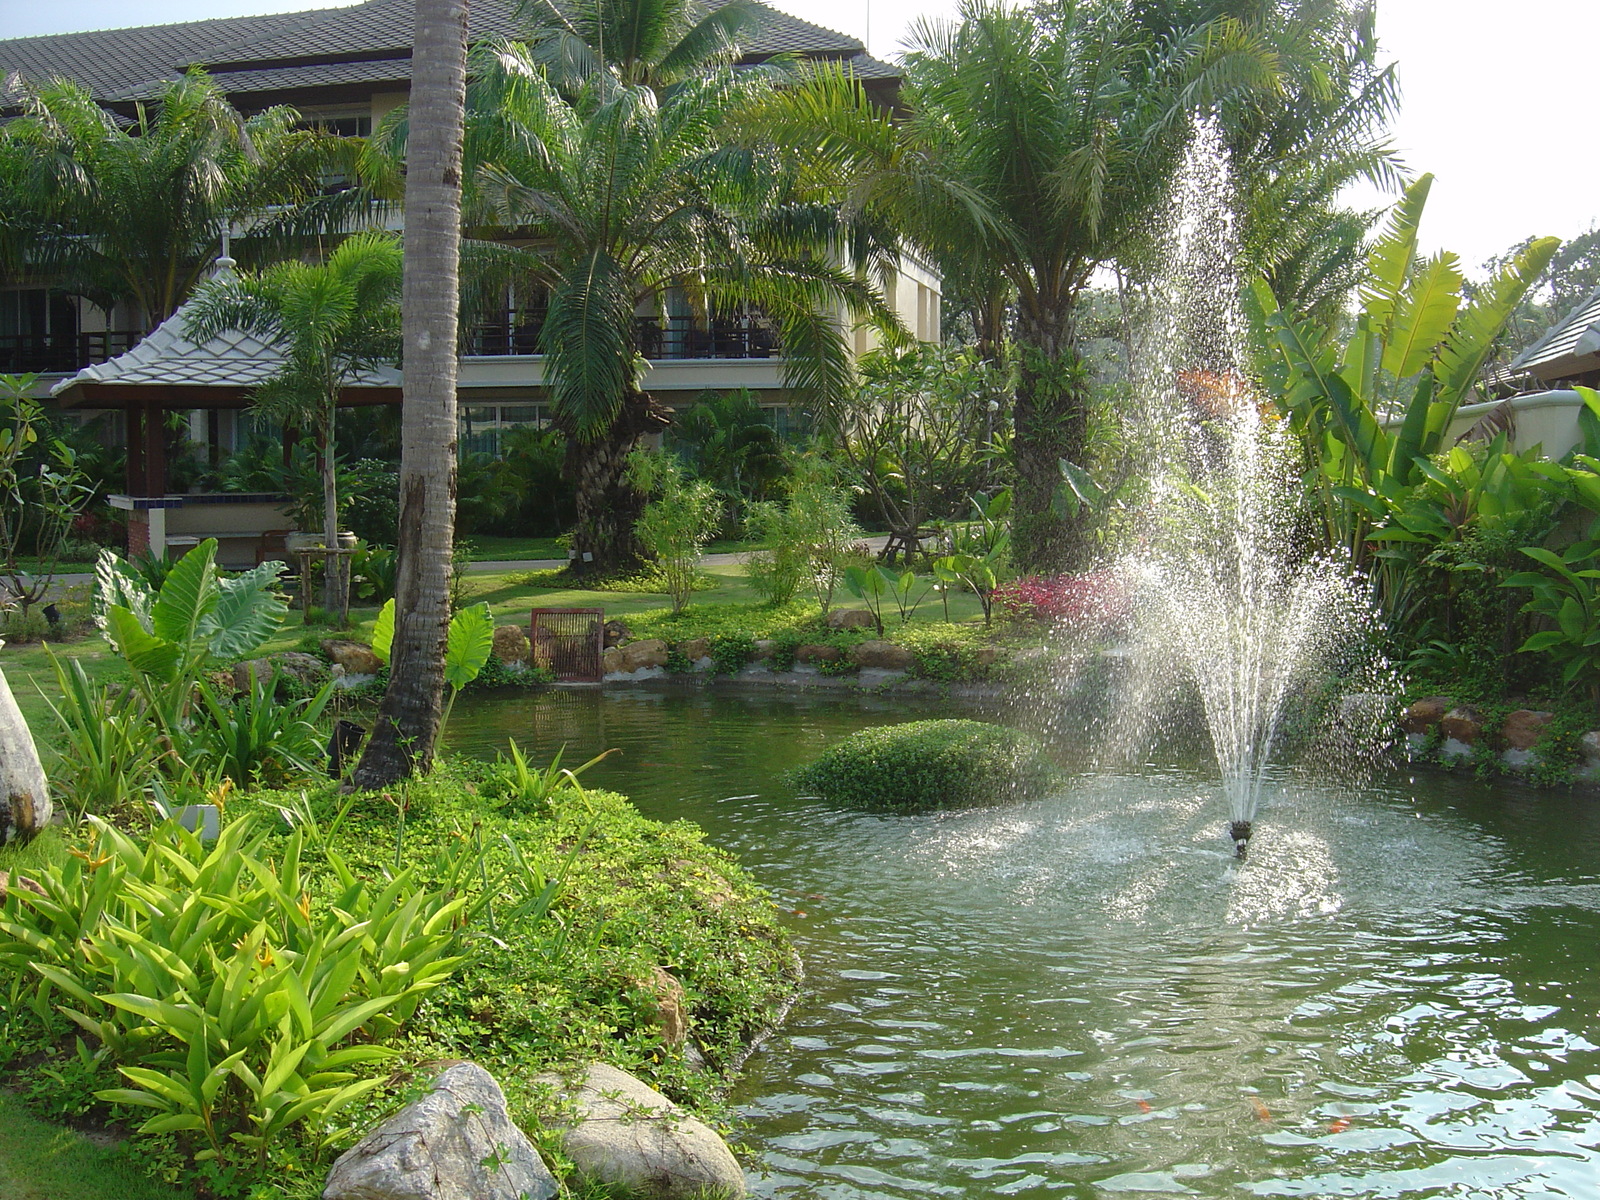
(1571, 348)
(168, 358)
(328, 47)
(107, 61)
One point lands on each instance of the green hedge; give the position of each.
(930, 764)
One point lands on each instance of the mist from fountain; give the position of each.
(1230, 598)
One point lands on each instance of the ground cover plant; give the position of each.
(924, 765)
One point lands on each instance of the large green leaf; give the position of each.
(1423, 317)
(1389, 262)
(187, 596)
(1463, 354)
(146, 653)
(118, 583)
(249, 609)
(468, 645)
(383, 631)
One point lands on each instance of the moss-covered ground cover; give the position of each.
(627, 898)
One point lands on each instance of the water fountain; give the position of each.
(1227, 588)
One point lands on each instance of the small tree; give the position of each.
(811, 538)
(676, 523)
(42, 491)
(332, 322)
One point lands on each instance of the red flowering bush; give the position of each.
(1094, 598)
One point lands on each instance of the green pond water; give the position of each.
(1085, 995)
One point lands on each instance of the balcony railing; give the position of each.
(673, 338)
(58, 353)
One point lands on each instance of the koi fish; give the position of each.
(1263, 1113)
(1339, 1125)
(1146, 1106)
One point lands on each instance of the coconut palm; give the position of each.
(138, 213)
(620, 197)
(331, 322)
(409, 717)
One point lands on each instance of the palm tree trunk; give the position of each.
(407, 725)
(1051, 423)
(608, 504)
(336, 591)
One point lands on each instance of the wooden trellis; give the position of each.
(568, 642)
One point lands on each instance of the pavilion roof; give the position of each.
(1571, 348)
(170, 370)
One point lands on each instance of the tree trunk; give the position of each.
(608, 504)
(336, 573)
(407, 724)
(1051, 423)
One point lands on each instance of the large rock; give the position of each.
(24, 795)
(511, 645)
(456, 1143)
(610, 660)
(811, 654)
(626, 1134)
(1463, 724)
(1523, 728)
(616, 632)
(650, 652)
(22, 883)
(355, 657)
(665, 997)
(305, 669)
(882, 656)
(851, 618)
(1422, 716)
(694, 649)
(763, 649)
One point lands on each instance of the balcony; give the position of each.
(61, 353)
(675, 338)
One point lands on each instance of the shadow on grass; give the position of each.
(40, 1161)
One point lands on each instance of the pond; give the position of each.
(1085, 995)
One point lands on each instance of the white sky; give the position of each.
(1500, 100)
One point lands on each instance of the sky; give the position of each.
(1499, 99)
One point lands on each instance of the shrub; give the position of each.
(930, 764)
(1096, 598)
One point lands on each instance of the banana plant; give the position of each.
(1372, 412)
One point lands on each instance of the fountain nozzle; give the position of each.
(1239, 831)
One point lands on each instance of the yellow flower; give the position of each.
(305, 905)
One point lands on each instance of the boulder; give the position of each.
(1463, 724)
(355, 657)
(763, 650)
(1590, 744)
(882, 656)
(816, 654)
(851, 618)
(625, 1134)
(511, 645)
(24, 795)
(694, 649)
(987, 656)
(651, 652)
(305, 669)
(616, 632)
(665, 997)
(456, 1143)
(1524, 728)
(22, 884)
(1422, 716)
(610, 660)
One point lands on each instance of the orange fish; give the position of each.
(1339, 1125)
(1263, 1113)
(1146, 1106)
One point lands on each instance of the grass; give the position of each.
(40, 1161)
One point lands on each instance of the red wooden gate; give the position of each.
(569, 642)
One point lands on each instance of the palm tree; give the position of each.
(624, 198)
(407, 727)
(138, 213)
(647, 43)
(331, 322)
(734, 447)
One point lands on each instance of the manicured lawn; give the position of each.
(516, 549)
(39, 1161)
